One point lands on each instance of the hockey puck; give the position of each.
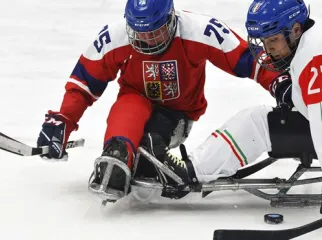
(273, 218)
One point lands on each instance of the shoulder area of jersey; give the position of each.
(311, 39)
(119, 24)
(192, 14)
(315, 29)
(192, 20)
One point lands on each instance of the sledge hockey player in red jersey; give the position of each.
(292, 41)
(161, 56)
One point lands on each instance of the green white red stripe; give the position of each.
(233, 145)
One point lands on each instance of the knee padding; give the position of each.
(168, 124)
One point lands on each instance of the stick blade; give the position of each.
(226, 234)
(229, 234)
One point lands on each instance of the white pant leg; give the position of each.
(240, 141)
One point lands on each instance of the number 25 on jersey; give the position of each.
(104, 38)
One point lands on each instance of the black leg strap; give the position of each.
(190, 168)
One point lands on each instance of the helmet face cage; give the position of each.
(266, 60)
(267, 18)
(153, 42)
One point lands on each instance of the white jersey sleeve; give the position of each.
(306, 73)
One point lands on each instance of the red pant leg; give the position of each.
(128, 117)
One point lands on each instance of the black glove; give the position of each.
(281, 89)
(55, 133)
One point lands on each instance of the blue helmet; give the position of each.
(270, 17)
(151, 25)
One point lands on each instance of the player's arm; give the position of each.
(310, 81)
(228, 51)
(94, 69)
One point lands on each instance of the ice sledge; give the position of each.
(290, 137)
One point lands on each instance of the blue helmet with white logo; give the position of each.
(266, 18)
(151, 25)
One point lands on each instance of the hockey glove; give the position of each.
(55, 133)
(281, 89)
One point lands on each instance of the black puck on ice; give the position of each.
(273, 218)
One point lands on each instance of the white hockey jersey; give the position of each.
(306, 73)
(227, 148)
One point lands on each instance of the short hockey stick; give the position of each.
(227, 234)
(11, 145)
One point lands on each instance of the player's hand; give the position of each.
(281, 89)
(54, 134)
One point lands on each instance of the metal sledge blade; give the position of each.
(102, 190)
(105, 193)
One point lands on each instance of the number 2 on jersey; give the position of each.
(104, 38)
(316, 73)
(212, 27)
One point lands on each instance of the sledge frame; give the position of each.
(237, 182)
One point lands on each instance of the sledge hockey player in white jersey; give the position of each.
(292, 45)
(292, 42)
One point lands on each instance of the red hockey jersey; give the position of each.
(174, 79)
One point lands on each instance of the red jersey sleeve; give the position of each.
(239, 61)
(95, 68)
